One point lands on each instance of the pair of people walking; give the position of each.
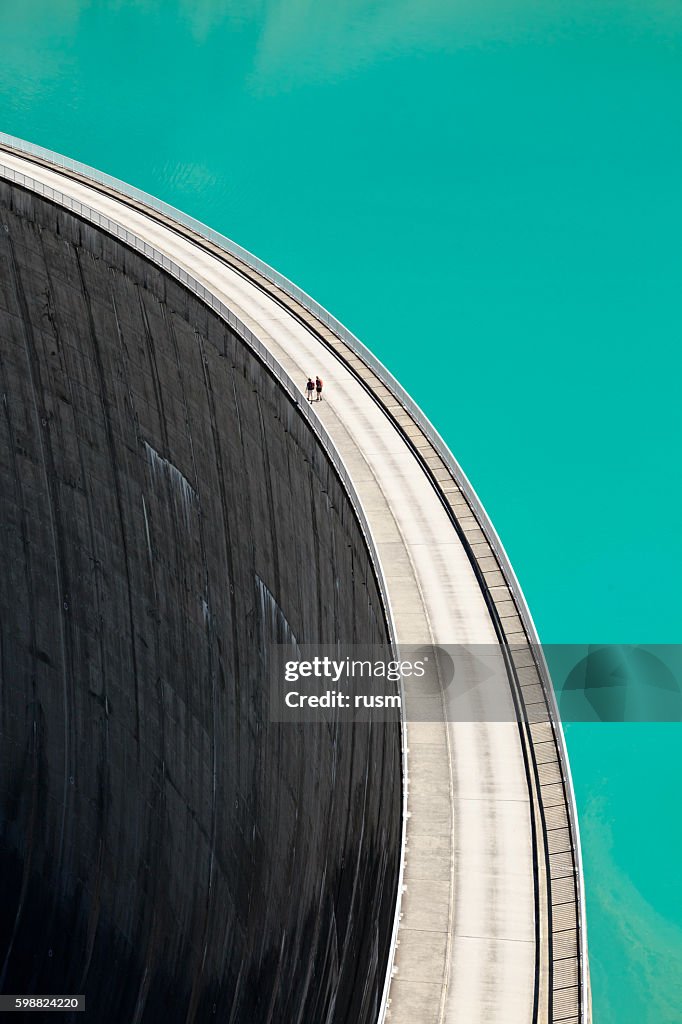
(314, 387)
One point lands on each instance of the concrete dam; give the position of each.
(170, 508)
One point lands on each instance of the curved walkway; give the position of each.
(491, 927)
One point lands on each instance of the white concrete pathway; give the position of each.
(467, 939)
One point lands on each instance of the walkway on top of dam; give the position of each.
(490, 927)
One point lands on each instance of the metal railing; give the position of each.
(410, 406)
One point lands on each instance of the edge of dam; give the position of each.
(564, 948)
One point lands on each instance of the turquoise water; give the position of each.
(488, 193)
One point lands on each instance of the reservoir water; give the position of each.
(488, 194)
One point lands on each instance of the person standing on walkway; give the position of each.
(318, 388)
(310, 388)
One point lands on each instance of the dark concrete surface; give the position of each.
(166, 513)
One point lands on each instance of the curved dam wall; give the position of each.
(165, 514)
